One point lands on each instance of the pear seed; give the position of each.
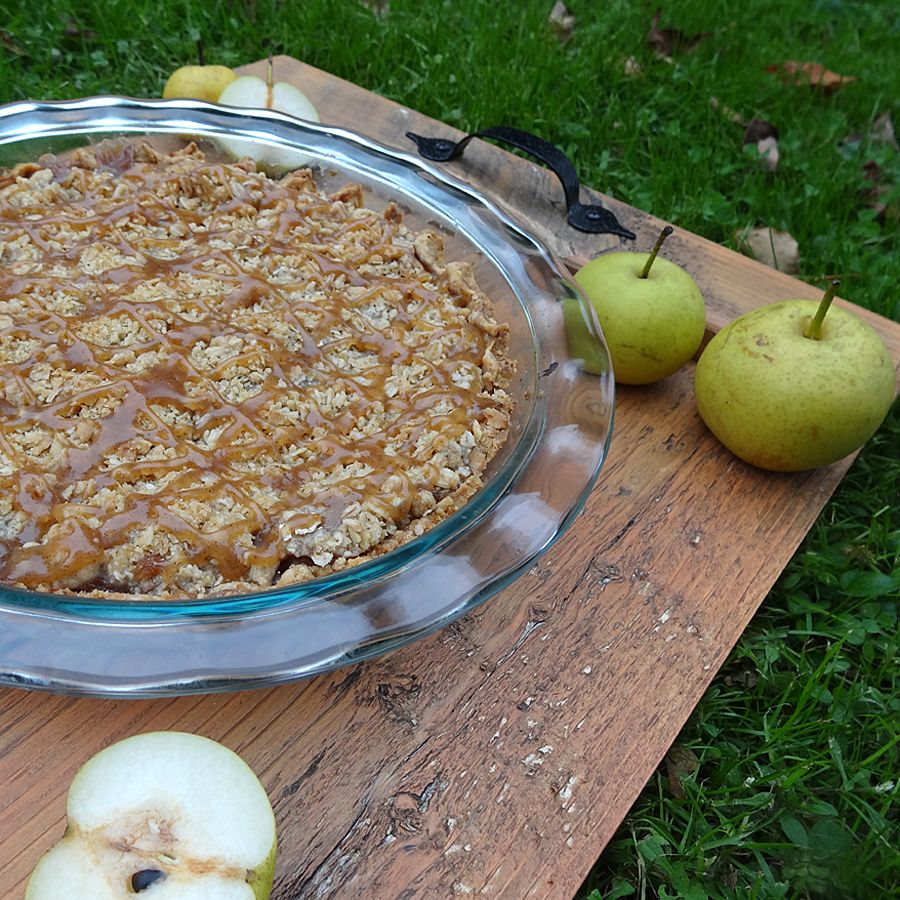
(141, 880)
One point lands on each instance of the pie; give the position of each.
(216, 381)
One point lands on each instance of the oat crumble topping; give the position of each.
(214, 381)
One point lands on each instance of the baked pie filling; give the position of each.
(215, 381)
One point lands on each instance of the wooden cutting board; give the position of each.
(498, 756)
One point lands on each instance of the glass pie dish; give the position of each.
(533, 488)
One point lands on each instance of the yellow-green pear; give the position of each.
(198, 82)
(651, 312)
(172, 815)
(787, 388)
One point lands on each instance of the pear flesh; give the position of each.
(652, 325)
(179, 808)
(786, 402)
(251, 92)
(198, 82)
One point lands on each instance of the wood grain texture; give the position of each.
(498, 756)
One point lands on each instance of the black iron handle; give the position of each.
(590, 218)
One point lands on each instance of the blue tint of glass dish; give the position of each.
(533, 490)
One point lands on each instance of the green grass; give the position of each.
(796, 786)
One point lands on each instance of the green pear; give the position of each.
(250, 91)
(198, 82)
(172, 815)
(651, 312)
(785, 388)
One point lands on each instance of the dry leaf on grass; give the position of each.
(873, 171)
(680, 763)
(849, 145)
(7, 40)
(743, 678)
(883, 131)
(812, 74)
(562, 20)
(765, 135)
(667, 41)
(74, 30)
(776, 249)
(632, 68)
(726, 111)
(758, 130)
(877, 195)
(767, 149)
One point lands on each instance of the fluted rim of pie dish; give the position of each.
(506, 244)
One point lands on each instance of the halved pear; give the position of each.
(168, 815)
(250, 91)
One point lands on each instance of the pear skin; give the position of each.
(786, 402)
(652, 325)
(198, 82)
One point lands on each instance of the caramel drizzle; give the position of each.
(299, 220)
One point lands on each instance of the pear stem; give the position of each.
(814, 329)
(201, 53)
(270, 82)
(659, 242)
